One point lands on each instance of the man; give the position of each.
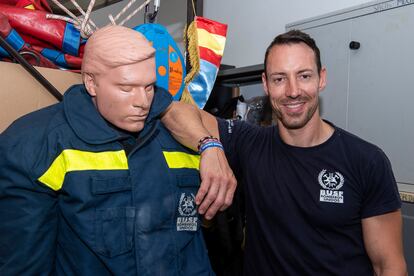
(95, 185)
(319, 200)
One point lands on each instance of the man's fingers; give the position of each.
(218, 202)
(202, 191)
(209, 198)
(231, 188)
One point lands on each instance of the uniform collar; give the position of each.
(87, 122)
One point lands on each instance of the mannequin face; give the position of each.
(123, 95)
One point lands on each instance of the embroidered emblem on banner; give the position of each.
(187, 220)
(331, 182)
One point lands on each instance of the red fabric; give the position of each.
(34, 41)
(5, 27)
(210, 56)
(40, 5)
(34, 23)
(43, 62)
(81, 50)
(9, 2)
(5, 30)
(72, 61)
(211, 26)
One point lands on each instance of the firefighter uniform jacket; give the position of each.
(78, 197)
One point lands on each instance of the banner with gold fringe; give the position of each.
(206, 42)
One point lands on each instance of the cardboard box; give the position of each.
(21, 93)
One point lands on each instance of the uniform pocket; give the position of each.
(188, 180)
(102, 186)
(187, 215)
(114, 230)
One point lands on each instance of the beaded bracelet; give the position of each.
(215, 144)
(204, 140)
(208, 142)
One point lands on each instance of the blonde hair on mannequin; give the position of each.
(113, 46)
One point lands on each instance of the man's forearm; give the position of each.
(385, 251)
(188, 124)
(395, 270)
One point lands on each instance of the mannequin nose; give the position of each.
(141, 99)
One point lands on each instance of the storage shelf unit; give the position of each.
(235, 77)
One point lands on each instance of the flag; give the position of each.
(206, 42)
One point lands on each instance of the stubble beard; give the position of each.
(295, 121)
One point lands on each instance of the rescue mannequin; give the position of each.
(101, 187)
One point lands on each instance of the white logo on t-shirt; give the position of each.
(331, 182)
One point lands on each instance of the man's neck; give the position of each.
(314, 133)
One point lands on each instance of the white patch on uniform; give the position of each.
(230, 125)
(187, 220)
(331, 182)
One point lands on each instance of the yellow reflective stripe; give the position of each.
(180, 160)
(214, 42)
(75, 160)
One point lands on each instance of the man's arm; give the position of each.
(188, 125)
(383, 242)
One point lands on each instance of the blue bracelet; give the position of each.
(212, 144)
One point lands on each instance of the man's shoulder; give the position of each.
(230, 126)
(356, 145)
(354, 139)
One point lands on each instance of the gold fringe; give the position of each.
(192, 52)
(187, 98)
(190, 36)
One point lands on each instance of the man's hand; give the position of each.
(218, 183)
(188, 124)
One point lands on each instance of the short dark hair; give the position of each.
(295, 37)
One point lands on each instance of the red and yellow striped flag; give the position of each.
(207, 39)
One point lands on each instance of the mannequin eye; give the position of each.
(149, 88)
(126, 88)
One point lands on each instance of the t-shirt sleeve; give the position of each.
(235, 136)
(162, 99)
(380, 194)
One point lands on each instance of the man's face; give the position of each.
(292, 83)
(123, 95)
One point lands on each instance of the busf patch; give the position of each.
(187, 219)
(331, 182)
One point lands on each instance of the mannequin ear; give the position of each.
(90, 83)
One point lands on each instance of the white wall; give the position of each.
(253, 24)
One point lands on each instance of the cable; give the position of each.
(39, 77)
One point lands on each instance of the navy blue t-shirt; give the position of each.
(304, 205)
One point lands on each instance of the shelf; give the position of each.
(240, 76)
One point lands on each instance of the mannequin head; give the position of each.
(118, 71)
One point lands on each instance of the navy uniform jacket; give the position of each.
(80, 198)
